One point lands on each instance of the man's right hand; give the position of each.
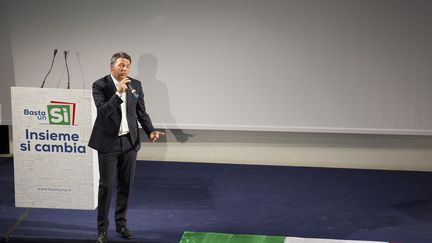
(122, 87)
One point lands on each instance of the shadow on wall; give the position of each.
(157, 98)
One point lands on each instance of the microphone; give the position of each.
(49, 71)
(67, 69)
(133, 91)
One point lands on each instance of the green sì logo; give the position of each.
(59, 114)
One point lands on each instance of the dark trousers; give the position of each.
(116, 165)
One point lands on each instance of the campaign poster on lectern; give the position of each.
(53, 166)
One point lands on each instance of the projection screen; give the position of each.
(350, 66)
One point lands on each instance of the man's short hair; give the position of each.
(118, 55)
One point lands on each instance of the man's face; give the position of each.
(120, 69)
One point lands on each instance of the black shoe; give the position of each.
(124, 232)
(102, 237)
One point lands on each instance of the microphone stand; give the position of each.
(67, 69)
(49, 71)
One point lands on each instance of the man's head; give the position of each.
(120, 64)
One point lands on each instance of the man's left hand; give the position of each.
(154, 136)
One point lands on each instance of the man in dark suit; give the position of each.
(120, 106)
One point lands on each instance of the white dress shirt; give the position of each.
(124, 128)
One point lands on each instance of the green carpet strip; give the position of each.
(197, 237)
(203, 237)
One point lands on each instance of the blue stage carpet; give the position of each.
(170, 198)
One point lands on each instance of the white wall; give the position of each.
(357, 151)
(387, 152)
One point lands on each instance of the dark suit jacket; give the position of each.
(106, 127)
